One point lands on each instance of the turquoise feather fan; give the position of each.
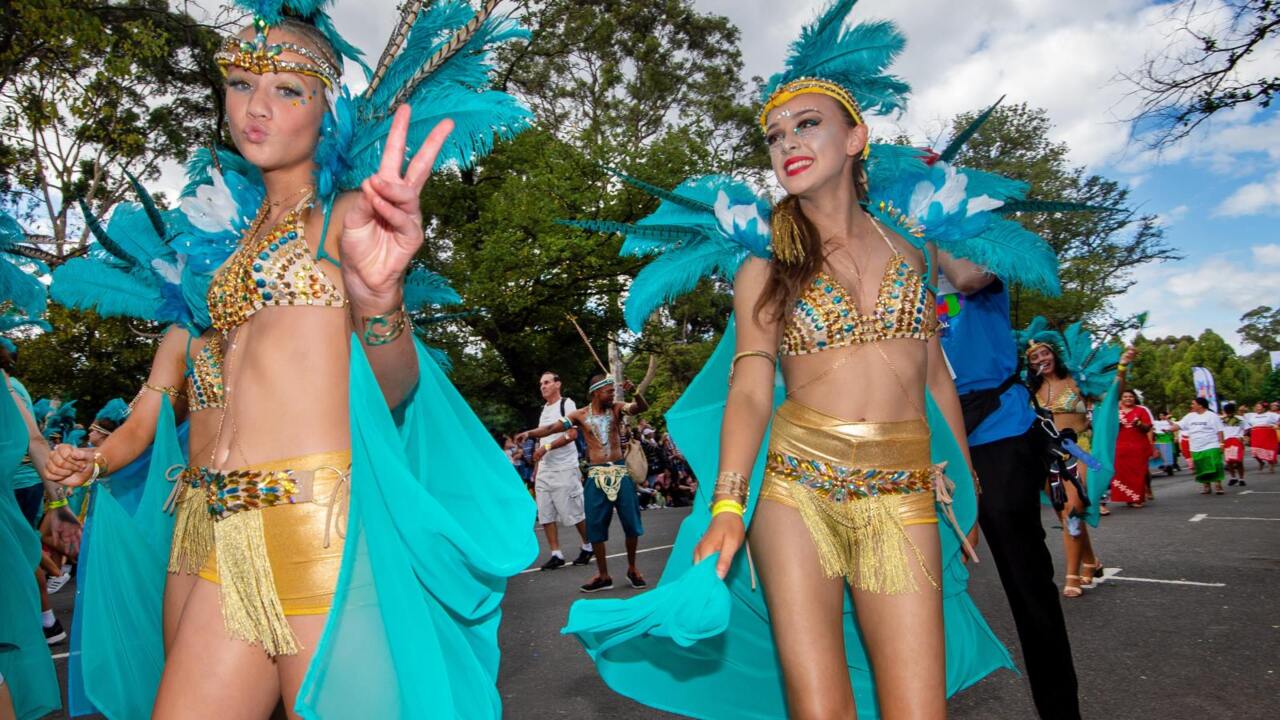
(705, 227)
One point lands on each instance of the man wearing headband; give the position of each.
(609, 486)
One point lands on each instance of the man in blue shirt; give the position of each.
(1009, 460)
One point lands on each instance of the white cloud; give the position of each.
(1253, 198)
(1173, 216)
(1187, 298)
(1266, 254)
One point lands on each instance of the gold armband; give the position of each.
(749, 353)
(733, 484)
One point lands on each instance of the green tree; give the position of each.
(89, 90)
(649, 86)
(1261, 328)
(1097, 252)
(87, 358)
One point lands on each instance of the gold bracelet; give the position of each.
(100, 467)
(734, 484)
(728, 506)
(386, 328)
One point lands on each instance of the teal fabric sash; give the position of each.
(699, 646)
(439, 520)
(25, 660)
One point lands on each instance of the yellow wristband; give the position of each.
(55, 504)
(730, 506)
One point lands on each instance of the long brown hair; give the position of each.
(787, 280)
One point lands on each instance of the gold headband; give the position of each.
(1036, 345)
(801, 86)
(258, 57)
(99, 428)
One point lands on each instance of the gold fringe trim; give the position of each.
(192, 531)
(861, 540)
(251, 609)
(787, 247)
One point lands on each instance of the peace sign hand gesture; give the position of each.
(383, 229)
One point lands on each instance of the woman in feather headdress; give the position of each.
(1071, 378)
(308, 566)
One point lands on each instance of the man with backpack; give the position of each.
(557, 478)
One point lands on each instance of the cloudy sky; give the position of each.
(1218, 194)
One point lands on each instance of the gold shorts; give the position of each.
(856, 485)
(304, 567)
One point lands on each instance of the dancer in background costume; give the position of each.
(840, 514)
(309, 566)
(1202, 430)
(1233, 445)
(1069, 377)
(1133, 452)
(28, 682)
(1263, 442)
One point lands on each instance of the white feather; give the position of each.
(733, 218)
(212, 208)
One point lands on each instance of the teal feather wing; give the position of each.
(1013, 253)
(660, 193)
(957, 143)
(149, 205)
(111, 292)
(675, 273)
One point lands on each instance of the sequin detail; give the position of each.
(838, 483)
(229, 493)
(825, 317)
(204, 381)
(276, 270)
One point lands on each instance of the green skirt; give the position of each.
(1208, 465)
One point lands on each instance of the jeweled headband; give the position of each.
(601, 384)
(258, 57)
(801, 86)
(1036, 345)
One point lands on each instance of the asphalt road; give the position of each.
(1186, 625)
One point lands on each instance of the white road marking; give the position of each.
(1114, 574)
(610, 557)
(1259, 492)
(1203, 516)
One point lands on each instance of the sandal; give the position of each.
(1206, 490)
(1104, 511)
(1094, 570)
(1219, 491)
(1072, 591)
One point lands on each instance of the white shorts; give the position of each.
(559, 495)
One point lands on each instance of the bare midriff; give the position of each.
(871, 385)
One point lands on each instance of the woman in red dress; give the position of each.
(1133, 451)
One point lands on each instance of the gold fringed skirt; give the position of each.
(857, 485)
(277, 543)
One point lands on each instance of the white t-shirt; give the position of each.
(561, 457)
(1201, 430)
(1233, 431)
(1262, 419)
(1161, 427)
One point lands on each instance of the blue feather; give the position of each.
(673, 274)
(149, 204)
(88, 285)
(424, 288)
(116, 410)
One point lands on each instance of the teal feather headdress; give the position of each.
(17, 285)
(437, 62)
(854, 59)
(60, 422)
(1092, 364)
(116, 410)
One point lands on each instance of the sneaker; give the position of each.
(584, 556)
(635, 580)
(555, 562)
(1242, 483)
(1232, 481)
(597, 584)
(55, 634)
(54, 584)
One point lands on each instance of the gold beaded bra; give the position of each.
(824, 317)
(204, 378)
(277, 269)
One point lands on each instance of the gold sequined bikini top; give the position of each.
(1069, 402)
(825, 317)
(278, 269)
(204, 378)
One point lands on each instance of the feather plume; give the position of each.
(424, 288)
(149, 205)
(104, 238)
(116, 410)
(88, 285)
(958, 142)
(651, 237)
(658, 192)
(1050, 206)
(673, 274)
